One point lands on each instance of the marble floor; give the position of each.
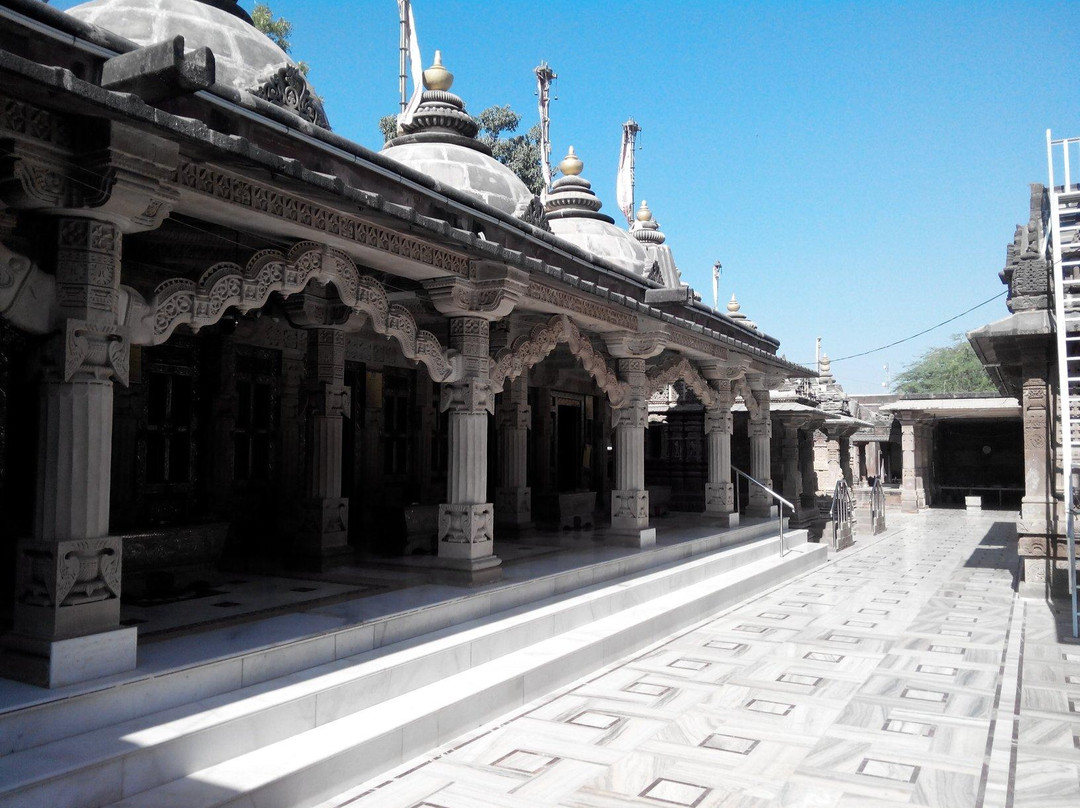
(903, 672)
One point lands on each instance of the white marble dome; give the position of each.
(245, 57)
(468, 170)
(604, 240)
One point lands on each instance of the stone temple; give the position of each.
(291, 429)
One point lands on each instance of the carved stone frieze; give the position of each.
(580, 304)
(288, 88)
(297, 210)
(707, 347)
(227, 285)
(20, 118)
(632, 415)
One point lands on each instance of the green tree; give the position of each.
(278, 30)
(519, 153)
(951, 368)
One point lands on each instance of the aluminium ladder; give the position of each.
(1064, 243)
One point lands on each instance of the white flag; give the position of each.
(416, 67)
(624, 181)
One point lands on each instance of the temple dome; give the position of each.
(573, 212)
(440, 141)
(245, 57)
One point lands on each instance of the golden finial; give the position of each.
(571, 165)
(438, 77)
(733, 304)
(644, 214)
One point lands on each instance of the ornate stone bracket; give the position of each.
(682, 368)
(528, 351)
(227, 285)
(288, 88)
(741, 388)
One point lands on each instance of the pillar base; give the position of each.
(465, 571)
(629, 510)
(644, 537)
(324, 530)
(755, 511)
(465, 532)
(719, 518)
(513, 508)
(56, 663)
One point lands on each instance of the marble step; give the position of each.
(178, 671)
(138, 754)
(310, 767)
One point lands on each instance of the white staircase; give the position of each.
(1064, 245)
(278, 726)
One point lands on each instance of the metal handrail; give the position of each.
(772, 494)
(843, 506)
(877, 502)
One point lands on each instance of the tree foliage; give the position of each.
(518, 152)
(951, 368)
(277, 29)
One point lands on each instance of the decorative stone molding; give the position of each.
(581, 305)
(682, 368)
(490, 292)
(742, 389)
(533, 213)
(297, 210)
(698, 344)
(35, 123)
(227, 285)
(526, 352)
(288, 88)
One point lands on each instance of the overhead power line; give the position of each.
(924, 331)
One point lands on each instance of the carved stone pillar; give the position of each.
(1040, 528)
(914, 442)
(758, 502)
(67, 599)
(466, 519)
(808, 472)
(719, 492)
(846, 473)
(513, 498)
(629, 499)
(325, 527)
(789, 449)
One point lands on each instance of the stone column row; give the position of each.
(67, 599)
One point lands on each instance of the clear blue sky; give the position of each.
(858, 168)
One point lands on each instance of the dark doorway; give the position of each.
(568, 443)
(981, 458)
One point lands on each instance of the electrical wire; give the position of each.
(919, 334)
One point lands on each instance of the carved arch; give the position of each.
(511, 362)
(226, 285)
(682, 368)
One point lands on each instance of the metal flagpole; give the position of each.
(544, 76)
(403, 51)
(624, 183)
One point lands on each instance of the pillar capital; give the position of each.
(490, 292)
